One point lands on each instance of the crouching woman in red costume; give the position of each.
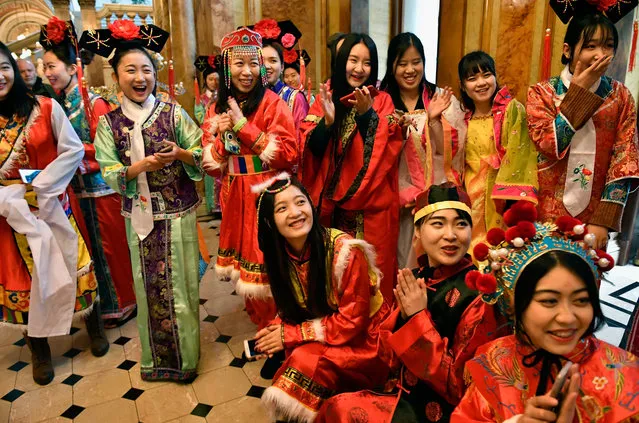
(438, 323)
(326, 288)
(549, 277)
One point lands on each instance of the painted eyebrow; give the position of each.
(294, 198)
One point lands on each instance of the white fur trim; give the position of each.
(253, 290)
(258, 188)
(320, 331)
(282, 406)
(273, 145)
(227, 273)
(84, 314)
(344, 255)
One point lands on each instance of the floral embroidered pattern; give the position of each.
(600, 382)
(583, 175)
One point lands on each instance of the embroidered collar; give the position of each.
(435, 275)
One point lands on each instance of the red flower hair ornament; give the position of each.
(56, 29)
(124, 29)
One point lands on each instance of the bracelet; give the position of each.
(240, 124)
(433, 122)
(282, 333)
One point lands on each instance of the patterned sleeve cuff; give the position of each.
(579, 105)
(608, 214)
(197, 157)
(126, 188)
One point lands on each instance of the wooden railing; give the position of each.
(139, 14)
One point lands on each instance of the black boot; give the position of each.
(95, 328)
(41, 360)
(272, 365)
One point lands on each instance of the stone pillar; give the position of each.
(61, 9)
(94, 73)
(161, 19)
(183, 48)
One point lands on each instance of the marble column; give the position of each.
(94, 73)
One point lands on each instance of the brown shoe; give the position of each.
(95, 328)
(41, 360)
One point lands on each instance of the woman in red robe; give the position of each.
(350, 157)
(545, 277)
(326, 287)
(249, 135)
(438, 323)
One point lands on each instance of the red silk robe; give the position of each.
(356, 178)
(428, 362)
(338, 352)
(267, 146)
(500, 383)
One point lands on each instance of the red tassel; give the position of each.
(84, 93)
(171, 81)
(196, 91)
(308, 90)
(545, 61)
(633, 49)
(302, 72)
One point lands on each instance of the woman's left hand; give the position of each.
(363, 100)
(269, 340)
(168, 156)
(234, 111)
(601, 236)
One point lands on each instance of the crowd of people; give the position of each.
(406, 255)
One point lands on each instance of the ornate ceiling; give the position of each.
(22, 17)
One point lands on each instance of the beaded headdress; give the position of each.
(121, 31)
(265, 187)
(245, 43)
(440, 197)
(508, 253)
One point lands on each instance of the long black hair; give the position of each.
(19, 101)
(472, 63)
(252, 101)
(339, 83)
(586, 25)
(537, 269)
(396, 50)
(276, 261)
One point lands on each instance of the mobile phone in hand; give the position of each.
(167, 148)
(346, 99)
(557, 388)
(249, 350)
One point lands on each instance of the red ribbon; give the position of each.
(633, 49)
(196, 90)
(171, 81)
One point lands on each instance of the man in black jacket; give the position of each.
(33, 81)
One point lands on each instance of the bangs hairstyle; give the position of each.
(126, 48)
(278, 48)
(540, 267)
(339, 84)
(253, 99)
(585, 26)
(471, 64)
(65, 52)
(460, 213)
(396, 50)
(19, 100)
(276, 261)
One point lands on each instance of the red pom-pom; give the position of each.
(526, 229)
(290, 56)
(480, 252)
(521, 210)
(288, 40)
(471, 279)
(124, 29)
(268, 28)
(513, 233)
(486, 283)
(567, 223)
(603, 255)
(56, 29)
(495, 236)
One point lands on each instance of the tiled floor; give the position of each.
(90, 389)
(109, 388)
